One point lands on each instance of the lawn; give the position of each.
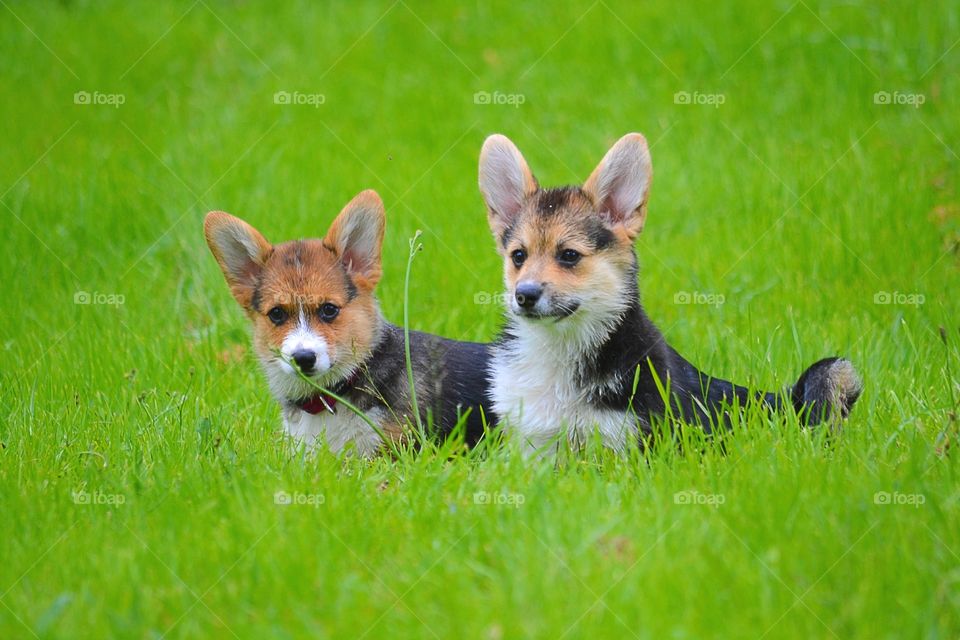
(806, 203)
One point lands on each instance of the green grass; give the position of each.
(797, 200)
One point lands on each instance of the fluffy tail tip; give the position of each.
(827, 390)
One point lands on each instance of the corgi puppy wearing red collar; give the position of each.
(578, 354)
(315, 316)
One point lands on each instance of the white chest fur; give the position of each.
(537, 396)
(334, 430)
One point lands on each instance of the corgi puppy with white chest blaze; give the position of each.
(578, 354)
(315, 316)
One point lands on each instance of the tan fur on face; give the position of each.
(301, 276)
(543, 233)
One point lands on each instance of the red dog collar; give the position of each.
(321, 402)
(318, 404)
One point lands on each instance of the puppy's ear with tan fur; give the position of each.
(505, 182)
(357, 237)
(240, 251)
(620, 184)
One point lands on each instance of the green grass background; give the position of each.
(797, 200)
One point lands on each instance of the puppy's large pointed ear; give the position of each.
(357, 237)
(505, 182)
(621, 182)
(241, 252)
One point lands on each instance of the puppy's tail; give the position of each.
(826, 391)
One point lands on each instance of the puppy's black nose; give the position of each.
(305, 360)
(527, 294)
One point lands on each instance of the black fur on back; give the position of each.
(450, 378)
(695, 397)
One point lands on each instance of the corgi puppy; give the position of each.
(315, 316)
(576, 336)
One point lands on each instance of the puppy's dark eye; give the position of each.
(569, 257)
(328, 311)
(277, 315)
(519, 257)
